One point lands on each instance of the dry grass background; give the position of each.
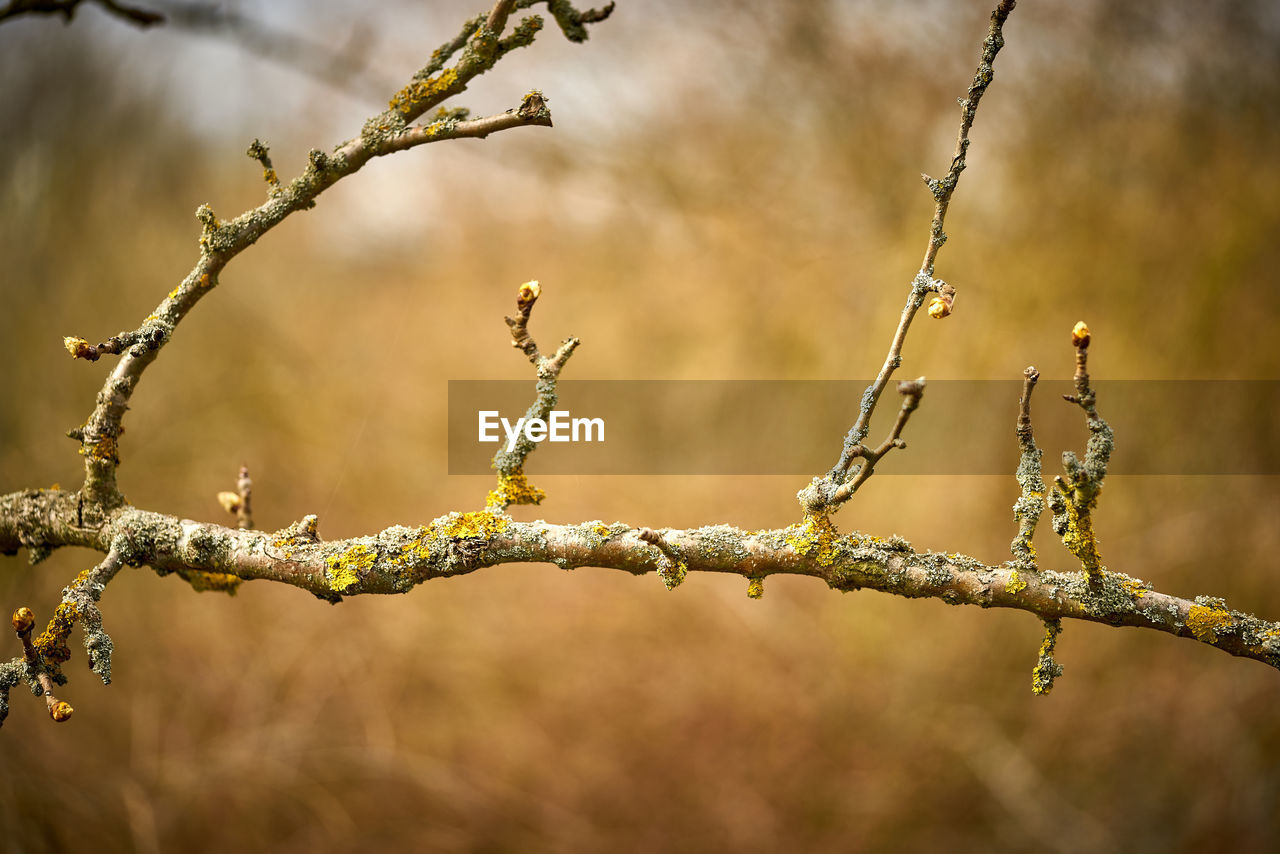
(730, 191)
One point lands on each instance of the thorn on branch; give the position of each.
(1027, 509)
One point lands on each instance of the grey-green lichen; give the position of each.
(1108, 596)
(1046, 669)
(11, 673)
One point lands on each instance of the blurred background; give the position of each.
(731, 190)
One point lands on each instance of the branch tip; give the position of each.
(1080, 336)
(24, 620)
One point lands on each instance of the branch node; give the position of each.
(672, 568)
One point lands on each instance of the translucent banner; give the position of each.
(963, 427)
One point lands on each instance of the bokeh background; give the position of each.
(731, 191)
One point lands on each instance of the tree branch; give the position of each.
(399, 558)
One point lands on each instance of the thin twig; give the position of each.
(911, 391)
(825, 492)
(1030, 504)
(23, 622)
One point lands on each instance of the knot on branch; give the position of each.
(672, 568)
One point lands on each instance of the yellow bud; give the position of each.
(1080, 335)
(77, 347)
(528, 293)
(23, 620)
(61, 711)
(939, 308)
(230, 501)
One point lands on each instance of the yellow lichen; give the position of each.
(477, 525)
(414, 550)
(215, 582)
(52, 643)
(1137, 589)
(1046, 669)
(103, 450)
(513, 488)
(344, 571)
(1016, 584)
(412, 96)
(1078, 537)
(602, 529)
(1206, 623)
(674, 574)
(755, 587)
(815, 537)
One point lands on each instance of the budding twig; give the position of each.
(828, 491)
(513, 486)
(23, 622)
(1075, 492)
